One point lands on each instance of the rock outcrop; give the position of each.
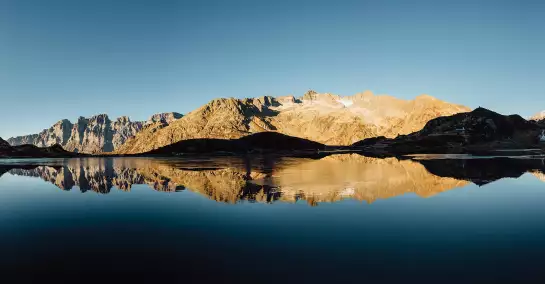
(325, 118)
(99, 134)
(96, 134)
(163, 118)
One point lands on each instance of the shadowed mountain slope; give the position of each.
(478, 130)
(261, 142)
(31, 151)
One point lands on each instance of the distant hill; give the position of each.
(31, 151)
(325, 118)
(259, 142)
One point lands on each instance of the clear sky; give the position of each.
(63, 59)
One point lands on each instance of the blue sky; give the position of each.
(63, 59)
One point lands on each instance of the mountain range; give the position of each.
(321, 117)
(379, 125)
(324, 118)
(92, 135)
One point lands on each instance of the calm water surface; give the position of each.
(338, 219)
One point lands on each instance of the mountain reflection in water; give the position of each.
(464, 234)
(270, 179)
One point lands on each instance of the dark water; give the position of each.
(339, 219)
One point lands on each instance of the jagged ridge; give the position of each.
(96, 134)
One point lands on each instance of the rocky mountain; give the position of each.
(325, 118)
(92, 135)
(58, 133)
(478, 130)
(100, 134)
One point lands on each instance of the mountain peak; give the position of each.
(99, 116)
(63, 122)
(123, 119)
(309, 95)
(365, 95)
(320, 97)
(425, 97)
(165, 117)
(538, 116)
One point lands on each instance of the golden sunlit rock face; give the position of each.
(324, 118)
(329, 179)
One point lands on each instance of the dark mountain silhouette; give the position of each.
(475, 131)
(31, 151)
(260, 142)
(483, 171)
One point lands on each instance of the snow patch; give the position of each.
(538, 116)
(346, 102)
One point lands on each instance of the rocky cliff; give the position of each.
(58, 133)
(325, 118)
(100, 134)
(92, 135)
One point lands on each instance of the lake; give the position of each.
(336, 219)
